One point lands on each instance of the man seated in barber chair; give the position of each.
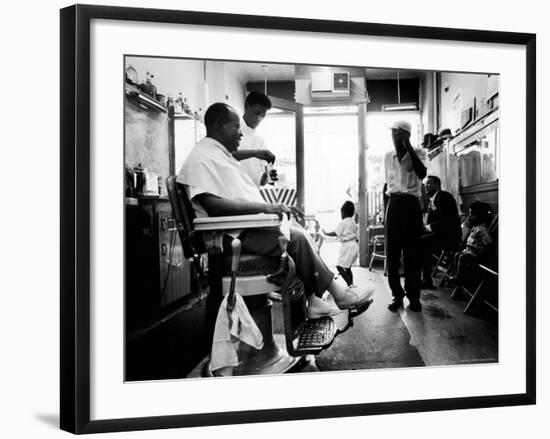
(217, 186)
(443, 230)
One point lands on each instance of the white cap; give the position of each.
(402, 125)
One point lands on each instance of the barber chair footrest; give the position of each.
(317, 334)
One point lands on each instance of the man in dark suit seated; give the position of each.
(442, 227)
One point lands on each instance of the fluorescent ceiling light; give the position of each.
(399, 107)
(339, 109)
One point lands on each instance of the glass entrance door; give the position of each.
(283, 131)
(331, 168)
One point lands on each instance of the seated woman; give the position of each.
(477, 241)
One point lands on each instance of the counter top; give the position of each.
(134, 201)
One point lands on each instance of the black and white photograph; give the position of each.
(275, 220)
(296, 218)
(309, 205)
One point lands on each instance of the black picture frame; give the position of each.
(75, 217)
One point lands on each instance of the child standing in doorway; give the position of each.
(347, 232)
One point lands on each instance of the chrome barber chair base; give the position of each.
(273, 360)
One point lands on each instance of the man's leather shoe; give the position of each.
(395, 304)
(415, 305)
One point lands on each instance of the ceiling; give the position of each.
(374, 74)
(252, 72)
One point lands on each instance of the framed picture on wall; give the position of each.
(157, 300)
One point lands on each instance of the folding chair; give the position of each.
(444, 264)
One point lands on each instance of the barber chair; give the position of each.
(254, 279)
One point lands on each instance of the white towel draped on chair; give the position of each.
(232, 328)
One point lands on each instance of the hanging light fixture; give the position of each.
(264, 69)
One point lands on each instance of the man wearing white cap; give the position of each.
(405, 170)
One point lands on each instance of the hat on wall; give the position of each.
(402, 125)
(429, 140)
(445, 133)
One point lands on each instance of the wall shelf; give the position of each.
(184, 116)
(474, 129)
(143, 100)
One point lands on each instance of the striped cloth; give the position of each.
(286, 196)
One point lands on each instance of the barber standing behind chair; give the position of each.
(252, 143)
(442, 226)
(405, 170)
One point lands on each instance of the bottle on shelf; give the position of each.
(131, 75)
(178, 107)
(149, 88)
(170, 101)
(186, 107)
(154, 89)
(129, 181)
(139, 179)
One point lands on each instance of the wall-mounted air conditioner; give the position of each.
(330, 85)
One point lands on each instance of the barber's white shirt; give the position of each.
(210, 168)
(251, 139)
(400, 176)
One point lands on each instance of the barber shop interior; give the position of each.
(307, 218)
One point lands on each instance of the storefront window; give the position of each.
(331, 162)
(279, 130)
